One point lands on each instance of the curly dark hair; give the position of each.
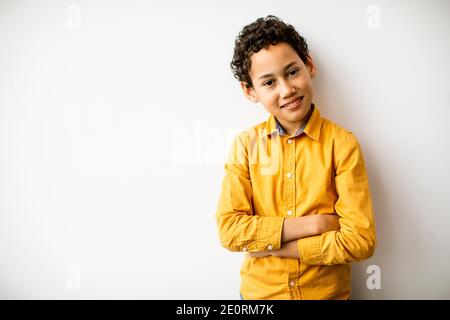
(258, 35)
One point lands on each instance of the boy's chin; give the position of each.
(293, 116)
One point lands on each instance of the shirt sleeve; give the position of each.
(240, 228)
(356, 239)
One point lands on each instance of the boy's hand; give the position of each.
(327, 222)
(320, 223)
(309, 225)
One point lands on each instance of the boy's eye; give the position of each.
(268, 83)
(293, 72)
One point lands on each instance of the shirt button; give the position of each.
(292, 283)
(289, 141)
(269, 247)
(289, 175)
(289, 213)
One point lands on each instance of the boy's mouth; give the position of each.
(293, 104)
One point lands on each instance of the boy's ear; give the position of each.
(311, 67)
(249, 92)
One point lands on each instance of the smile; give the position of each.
(294, 104)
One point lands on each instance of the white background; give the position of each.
(116, 116)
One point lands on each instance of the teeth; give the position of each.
(293, 102)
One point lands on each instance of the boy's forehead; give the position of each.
(272, 59)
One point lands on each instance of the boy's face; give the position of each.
(282, 83)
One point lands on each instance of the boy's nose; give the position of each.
(286, 89)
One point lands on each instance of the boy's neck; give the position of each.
(292, 127)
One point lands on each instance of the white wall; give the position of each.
(115, 118)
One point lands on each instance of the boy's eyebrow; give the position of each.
(270, 74)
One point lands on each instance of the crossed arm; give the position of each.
(297, 228)
(344, 235)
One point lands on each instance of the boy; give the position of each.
(295, 195)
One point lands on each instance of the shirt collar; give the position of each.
(311, 127)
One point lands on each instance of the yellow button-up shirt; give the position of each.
(271, 176)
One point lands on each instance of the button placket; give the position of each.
(289, 202)
(289, 181)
